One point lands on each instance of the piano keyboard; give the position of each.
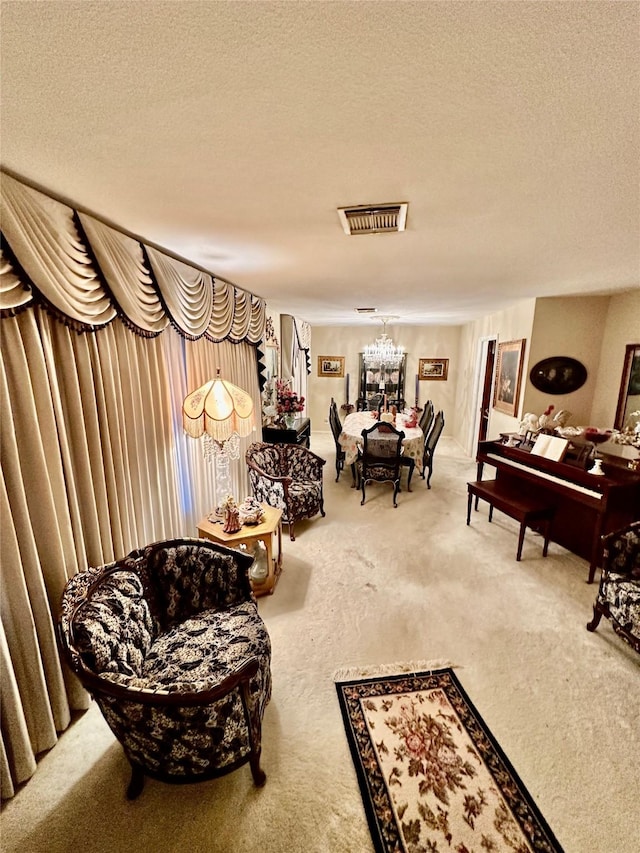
(566, 483)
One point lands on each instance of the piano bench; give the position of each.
(514, 504)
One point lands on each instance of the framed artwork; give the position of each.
(508, 376)
(331, 365)
(558, 375)
(433, 368)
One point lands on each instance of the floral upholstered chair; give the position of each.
(288, 477)
(169, 642)
(618, 596)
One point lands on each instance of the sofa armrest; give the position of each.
(304, 464)
(142, 690)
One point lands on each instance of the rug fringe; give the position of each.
(354, 673)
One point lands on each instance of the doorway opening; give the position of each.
(485, 369)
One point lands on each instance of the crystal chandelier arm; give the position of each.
(383, 354)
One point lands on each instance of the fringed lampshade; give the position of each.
(222, 413)
(218, 409)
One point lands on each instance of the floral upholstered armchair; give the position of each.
(169, 642)
(618, 596)
(288, 477)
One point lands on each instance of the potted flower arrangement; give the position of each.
(288, 404)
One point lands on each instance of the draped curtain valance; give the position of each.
(88, 273)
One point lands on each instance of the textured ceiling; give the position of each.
(229, 133)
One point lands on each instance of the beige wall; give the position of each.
(511, 324)
(568, 326)
(594, 330)
(418, 342)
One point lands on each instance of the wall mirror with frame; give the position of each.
(271, 358)
(629, 396)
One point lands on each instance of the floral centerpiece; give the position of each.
(288, 403)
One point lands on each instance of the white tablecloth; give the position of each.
(351, 436)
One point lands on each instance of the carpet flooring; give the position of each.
(371, 585)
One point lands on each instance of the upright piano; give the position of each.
(585, 506)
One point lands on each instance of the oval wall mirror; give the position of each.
(558, 375)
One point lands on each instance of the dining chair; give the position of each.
(336, 429)
(381, 457)
(430, 442)
(426, 418)
(374, 402)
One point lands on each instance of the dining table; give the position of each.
(350, 438)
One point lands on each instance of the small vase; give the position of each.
(289, 421)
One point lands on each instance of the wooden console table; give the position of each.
(248, 535)
(300, 433)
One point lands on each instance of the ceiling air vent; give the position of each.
(373, 218)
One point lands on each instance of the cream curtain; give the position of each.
(102, 339)
(94, 464)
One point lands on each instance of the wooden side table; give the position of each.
(248, 535)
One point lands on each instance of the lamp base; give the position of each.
(222, 474)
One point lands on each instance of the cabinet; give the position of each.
(374, 381)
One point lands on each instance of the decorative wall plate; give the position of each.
(558, 375)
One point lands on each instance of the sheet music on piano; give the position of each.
(550, 446)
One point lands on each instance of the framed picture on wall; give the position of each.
(433, 368)
(331, 365)
(506, 390)
(558, 375)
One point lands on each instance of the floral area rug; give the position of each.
(432, 776)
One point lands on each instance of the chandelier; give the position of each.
(383, 354)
